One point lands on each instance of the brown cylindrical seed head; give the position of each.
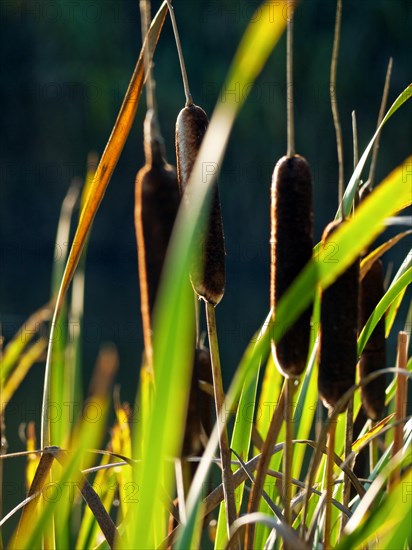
(209, 280)
(191, 126)
(291, 248)
(373, 357)
(156, 205)
(338, 340)
(200, 405)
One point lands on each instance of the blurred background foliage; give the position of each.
(65, 65)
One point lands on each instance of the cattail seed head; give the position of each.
(291, 248)
(199, 410)
(191, 126)
(338, 340)
(373, 357)
(156, 205)
(208, 280)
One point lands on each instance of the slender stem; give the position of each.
(197, 319)
(329, 485)
(143, 283)
(227, 474)
(348, 450)
(189, 100)
(372, 169)
(400, 400)
(355, 140)
(333, 96)
(145, 16)
(288, 454)
(289, 92)
(263, 465)
(372, 450)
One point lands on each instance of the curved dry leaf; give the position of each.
(369, 260)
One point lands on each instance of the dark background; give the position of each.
(65, 65)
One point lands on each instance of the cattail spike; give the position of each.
(373, 358)
(338, 340)
(156, 204)
(208, 280)
(291, 248)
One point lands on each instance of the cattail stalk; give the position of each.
(289, 93)
(329, 486)
(189, 100)
(333, 97)
(401, 400)
(208, 276)
(225, 454)
(288, 451)
(339, 302)
(291, 234)
(355, 140)
(348, 450)
(291, 248)
(375, 150)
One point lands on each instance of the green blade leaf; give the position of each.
(382, 306)
(350, 191)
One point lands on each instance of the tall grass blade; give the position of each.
(31, 356)
(23, 337)
(88, 433)
(60, 430)
(393, 292)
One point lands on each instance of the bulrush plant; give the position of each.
(339, 322)
(372, 290)
(156, 203)
(208, 274)
(338, 312)
(291, 243)
(339, 302)
(147, 485)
